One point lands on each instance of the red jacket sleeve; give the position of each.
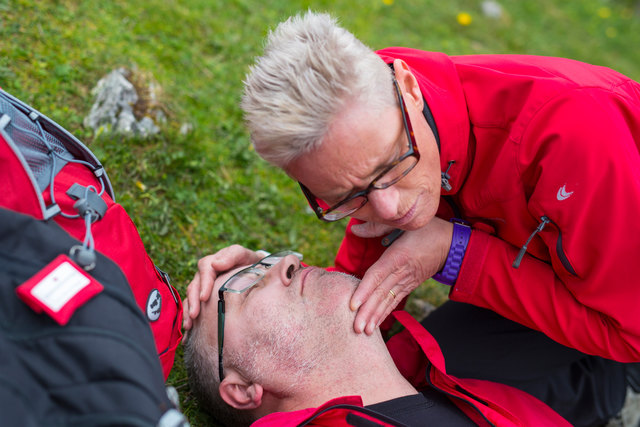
(588, 295)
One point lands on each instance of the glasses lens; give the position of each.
(396, 173)
(345, 209)
(243, 280)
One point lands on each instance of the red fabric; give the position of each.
(13, 175)
(414, 351)
(114, 235)
(522, 131)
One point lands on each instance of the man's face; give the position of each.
(285, 321)
(360, 143)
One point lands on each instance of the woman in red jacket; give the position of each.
(515, 179)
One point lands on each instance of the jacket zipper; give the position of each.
(545, 220)
(445, 177)
(559, 250)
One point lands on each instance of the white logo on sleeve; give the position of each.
(563, 194)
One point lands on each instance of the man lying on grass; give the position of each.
(278, 348)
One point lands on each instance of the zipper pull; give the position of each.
(444, 177)
(545, 220)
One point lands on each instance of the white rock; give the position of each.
(491, 9)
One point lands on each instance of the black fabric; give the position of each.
(633, 376)
(478, 343)
(427, 408)
(426, 112)
(99, 369)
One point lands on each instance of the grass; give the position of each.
(193, 194)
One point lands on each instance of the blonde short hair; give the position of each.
(310, 71)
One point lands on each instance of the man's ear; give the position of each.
(408, 84)
(240, 393)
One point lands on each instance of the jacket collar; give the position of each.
(294, 418)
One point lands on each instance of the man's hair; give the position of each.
(201, 362)
(311, 71)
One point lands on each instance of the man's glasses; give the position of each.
(389, 176)
(240, 282)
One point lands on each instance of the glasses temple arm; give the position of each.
(220, 335)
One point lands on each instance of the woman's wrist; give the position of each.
(459, 241)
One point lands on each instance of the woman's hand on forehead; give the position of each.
(210, 268)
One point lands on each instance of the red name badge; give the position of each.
(59, 289)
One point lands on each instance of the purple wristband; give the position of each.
(459, 241)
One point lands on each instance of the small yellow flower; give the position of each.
(141, 186)
(604, 12)
(387, 2)
(464, 19)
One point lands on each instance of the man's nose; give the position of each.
(384, 203)
(286, 267)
